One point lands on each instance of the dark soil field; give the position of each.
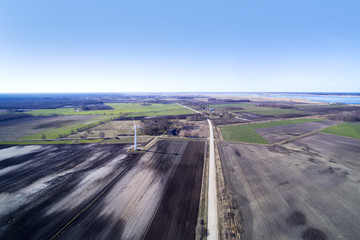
(327, 109)
(276, 134)
(306, 189)
(19, 120)
(93, 191)
(253, 117)
(18, 128)
(177, 214)
(243, 118)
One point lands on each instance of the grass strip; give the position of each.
(345, 129)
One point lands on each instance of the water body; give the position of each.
(347, 98)
(330, 98)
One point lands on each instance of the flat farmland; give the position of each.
(192, 128)
(130, 139)
(252, 108)
(345, 129)
(177, 215)
(345, 151)
(18, 120)
(247, 133)
(36, 125)
(89, 191)
(112, 129)
(58, 129)
(129, 109)
(306, 189)
(280, 133)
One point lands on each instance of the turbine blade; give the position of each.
(134, 122)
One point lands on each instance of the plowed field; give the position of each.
(99, 191)
(279, 133)
(307, 189)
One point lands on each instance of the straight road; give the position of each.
(187, 108)
(212, 227)
(212, 192)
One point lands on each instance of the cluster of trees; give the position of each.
(159, 101)
(155, 126)
(190, 131)
(85, 135)
(88, 126)
(352, 116)
(94, 107)
(233, 108)
(61, 114)
(195, 117)
(238, 100)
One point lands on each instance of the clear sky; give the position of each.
(179, 46)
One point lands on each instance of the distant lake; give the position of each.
(347, 98)
(323, 98)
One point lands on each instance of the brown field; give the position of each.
(193, 128)
(142, 140)
(243, 118)
(252, 117)
(280, 133)
(12, 130)
(111, 129)
(306, 189)
(318, 109)
(94, 191)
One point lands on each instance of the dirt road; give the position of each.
(212, 193)
(188, 108)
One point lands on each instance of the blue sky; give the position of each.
(157, 46)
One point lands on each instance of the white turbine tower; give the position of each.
(135, 142)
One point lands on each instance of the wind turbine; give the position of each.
(135, 127)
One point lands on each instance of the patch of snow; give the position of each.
(17, 151)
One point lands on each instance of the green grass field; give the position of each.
(251, 108)
(344, 129)
(50, 142)
(247, 133)
(66, 130)
(129, 109)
